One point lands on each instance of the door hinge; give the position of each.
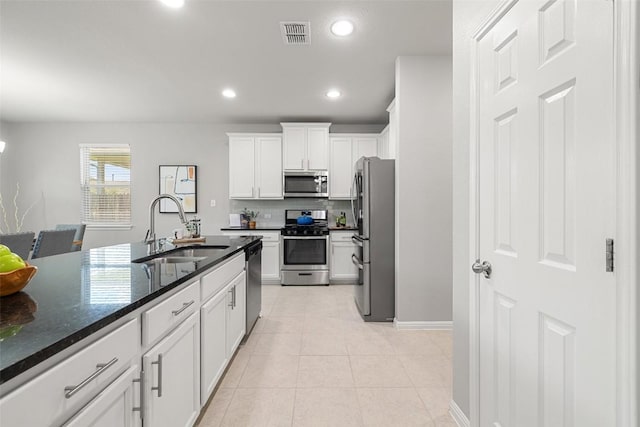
(609, 255)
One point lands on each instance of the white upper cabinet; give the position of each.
(305, 146)
(255, 166)
(345, 150)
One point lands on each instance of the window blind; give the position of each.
(105, 175)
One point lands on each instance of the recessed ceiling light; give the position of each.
(333, 94)
(175, 4)
(342, 28)
(229, 93)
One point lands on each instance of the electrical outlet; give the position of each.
(213, 203)
(267, 216)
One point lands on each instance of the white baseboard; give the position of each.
(446, 325)
(458, 416)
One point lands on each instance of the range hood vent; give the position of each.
(296, 32)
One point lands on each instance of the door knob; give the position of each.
(484, 268)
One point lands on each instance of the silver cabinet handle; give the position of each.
(185, 305)
(356, 261)
(301, 163)
(258, 192)
(484, 268)
(73, 389)
(231, 292)
(234, 295)
(159, 387)
(141, 381)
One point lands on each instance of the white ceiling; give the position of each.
(137, 60)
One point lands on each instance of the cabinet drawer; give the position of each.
(54, 396)
(169, 313)
(268, 237)
(216, 280)
(342, 236)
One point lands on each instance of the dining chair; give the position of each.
(19, 243)
(53, 242)
(77, 238)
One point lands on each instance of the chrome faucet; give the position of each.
(150, 239)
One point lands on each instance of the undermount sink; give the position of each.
(174, 259)
(180, 255)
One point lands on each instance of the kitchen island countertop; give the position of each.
(74, 295)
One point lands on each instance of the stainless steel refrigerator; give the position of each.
(373, 208)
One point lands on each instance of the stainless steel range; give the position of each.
(305, 248)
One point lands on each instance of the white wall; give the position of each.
(467, 17)
(423, 189)
(44, 159)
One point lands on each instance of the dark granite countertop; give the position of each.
(268, 228)
(74, 295)
(347, 228)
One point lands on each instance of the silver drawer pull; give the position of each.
(73, 389)
(184, 307)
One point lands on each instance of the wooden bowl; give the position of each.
(13, 281)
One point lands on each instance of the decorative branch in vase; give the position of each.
(18, 219)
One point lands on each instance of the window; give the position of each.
(105, 174)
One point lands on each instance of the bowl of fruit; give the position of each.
(15, 273)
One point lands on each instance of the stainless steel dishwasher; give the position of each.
(253, 257)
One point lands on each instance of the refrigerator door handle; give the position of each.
(357, 240)
(357, 262)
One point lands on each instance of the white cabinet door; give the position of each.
(172, 377)
(268, 167)
(213, 352)
(236, 320)
(364, 146)
(294, 148)
(340, 168)
(317, 148)
(241, 168)
(114, 406)
(341, 267)
(270, 260)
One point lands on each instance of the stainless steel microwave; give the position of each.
(306, 184)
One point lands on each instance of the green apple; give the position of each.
(11, 262)
(4, 250)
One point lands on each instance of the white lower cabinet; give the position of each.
(236, 306)
(342, 248)
(213, 343)
(114, 406)
(271, 261)
(172, 377)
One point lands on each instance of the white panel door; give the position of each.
(172, 377)
(342, 267)
(546, 144)
(114, 406)
(241, 168)
(236, 309)
(317, 148)
(340, 168)
(294, 148)
(213, 340)
(268, 167)
(270, 260)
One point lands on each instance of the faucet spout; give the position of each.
(151, 233)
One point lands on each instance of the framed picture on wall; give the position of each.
(180, 181)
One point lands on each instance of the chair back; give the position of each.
(19, 243)
(52, 242)
(77, 238)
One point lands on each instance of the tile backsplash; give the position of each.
(276, 208)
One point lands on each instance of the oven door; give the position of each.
(305, 252)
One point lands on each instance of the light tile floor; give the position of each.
(312, 361)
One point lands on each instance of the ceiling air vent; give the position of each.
(296, 32)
